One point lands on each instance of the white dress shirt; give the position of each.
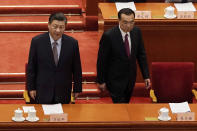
(123, 37)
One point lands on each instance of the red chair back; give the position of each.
(173, 81)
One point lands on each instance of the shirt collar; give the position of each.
(124, 33)
(52, 40)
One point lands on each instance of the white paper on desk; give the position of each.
(52, 109)
(121, 5)
(185, 6)
(26, 109)
(179, 107)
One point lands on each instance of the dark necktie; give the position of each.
(126, 44)
(55, 54)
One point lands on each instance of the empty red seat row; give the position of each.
(11, 92)
(36, 23)
(40, 6)
(37, 26)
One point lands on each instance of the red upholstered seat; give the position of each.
(173, 81)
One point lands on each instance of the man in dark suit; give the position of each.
(54, 61)
(119, 49)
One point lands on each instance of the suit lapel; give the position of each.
(63, 46)
(49, 50)
(133, 42)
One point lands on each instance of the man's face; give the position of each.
(56, 29)
(126, 22)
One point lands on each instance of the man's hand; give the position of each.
(102, 87)
(147, 83)
(33, 94)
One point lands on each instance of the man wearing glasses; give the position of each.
(119, 49)
(54, 62)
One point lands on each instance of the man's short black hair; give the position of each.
(57, 16)
(125, 11)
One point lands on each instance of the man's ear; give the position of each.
(49, 25)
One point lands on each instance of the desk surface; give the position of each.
(98, 117)
(76, 112)
(96, 112)
(109, 10)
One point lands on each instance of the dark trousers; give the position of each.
(121, 99)
(125, 97)
(57, 100)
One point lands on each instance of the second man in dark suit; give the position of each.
(54, 62)
(119, 49)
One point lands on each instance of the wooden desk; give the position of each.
(149, 110)
(109, 18)
(164, 39)
(86, 117)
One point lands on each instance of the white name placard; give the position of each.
(142, 14)
(59, 118)
(185, 15)
(188, 116)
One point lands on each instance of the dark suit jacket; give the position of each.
(114, 67)
(51, 81)
(137, 1)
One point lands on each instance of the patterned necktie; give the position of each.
(55, 54)
(126, 44)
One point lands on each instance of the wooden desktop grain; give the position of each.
(109, 10)
(98, 117)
